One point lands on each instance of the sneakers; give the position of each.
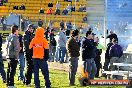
(4, 81)
(71, 84)
(47, 87)
(28, 85)
(11, 87)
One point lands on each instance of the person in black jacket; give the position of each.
(52, 45)
(28, 36)
(112, 35)
(2, 71)
(47, 33)
(21, 59)
(107, 59)
(98, 57)
(89, 54)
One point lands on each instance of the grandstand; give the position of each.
(33, 7)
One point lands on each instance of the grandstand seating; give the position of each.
(33, 7)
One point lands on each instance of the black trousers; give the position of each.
(98, 65)
(12, 65)
(28, 75)
(106, 64)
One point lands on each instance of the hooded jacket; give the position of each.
(62, 39)
(39, 43)
(13, 47)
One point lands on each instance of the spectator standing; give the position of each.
(28, 36)
(13, 48)
(39, 43)
(107, 59)
(2, 71)
(3, 21)
(73, 49)
(115, 53)
(69, 25)
(47, 33)
(21, 59)
(98, 57)
(52, 45)
(88, 55)
(61, 43)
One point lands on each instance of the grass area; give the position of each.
(59, 79)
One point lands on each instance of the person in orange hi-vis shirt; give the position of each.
(40, 56)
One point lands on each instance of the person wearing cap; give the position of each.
(88, 54)
(98, 55)
(73, 49)
(39, 43)
(28, 36)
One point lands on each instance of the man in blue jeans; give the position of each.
(88, 55)
(2, 72)
(61, 44)
(39, 43)
(21, 59)
(13, 49)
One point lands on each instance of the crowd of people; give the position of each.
(2, 2)
(22, 7)
(66, 10)
(54, 47)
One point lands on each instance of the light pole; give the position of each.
(105, 21)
